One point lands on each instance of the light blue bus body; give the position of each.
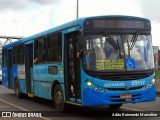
(116, 83)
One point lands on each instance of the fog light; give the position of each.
(102, 90)
(146, 87)
(95, 87)
(151, 84)
(89, 83)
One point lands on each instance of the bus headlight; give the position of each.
(89, 84)
(150, 84)
(153, 81)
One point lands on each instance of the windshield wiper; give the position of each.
(133, 40)
(111, 40)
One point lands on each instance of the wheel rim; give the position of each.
(58, 99)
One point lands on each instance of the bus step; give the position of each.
(30, 95)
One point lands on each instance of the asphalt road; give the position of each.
(27, 106)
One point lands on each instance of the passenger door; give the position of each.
(29, 66)
(72, 68)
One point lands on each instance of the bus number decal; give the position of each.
(136, 82)
(44, 85)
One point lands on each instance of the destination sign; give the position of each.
(110, 64)
(117, 24)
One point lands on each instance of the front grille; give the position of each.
(124, 89)
(124, 76)
(120, 75)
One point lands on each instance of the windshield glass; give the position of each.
(118, 52)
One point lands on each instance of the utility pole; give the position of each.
(77, 7)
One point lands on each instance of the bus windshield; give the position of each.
(118, 52)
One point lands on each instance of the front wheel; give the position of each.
(59, 99)
(116, 106)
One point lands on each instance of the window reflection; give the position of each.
(109, 52)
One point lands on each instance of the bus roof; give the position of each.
(67, 25)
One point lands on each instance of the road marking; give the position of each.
(13, 105)
(21, 108)
(2, 106)
(133, 109)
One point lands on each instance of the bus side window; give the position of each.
(21, 54)
(4, 57)
(39, 48)
(54, 47)
(18, 54)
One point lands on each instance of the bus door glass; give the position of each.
(72, 68)
(10, 80)
(28, 65)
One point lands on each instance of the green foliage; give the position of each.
(157, 73)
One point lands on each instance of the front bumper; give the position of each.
(94, 98)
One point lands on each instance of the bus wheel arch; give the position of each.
(53, 87)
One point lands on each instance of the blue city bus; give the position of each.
(92, 61)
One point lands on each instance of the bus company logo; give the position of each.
(6, 114)
(114, 84)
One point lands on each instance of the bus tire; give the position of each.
(116, 106)
(18, 94)
(59, 103)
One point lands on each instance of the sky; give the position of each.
(28, 17)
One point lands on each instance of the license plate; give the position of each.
(125, 96)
